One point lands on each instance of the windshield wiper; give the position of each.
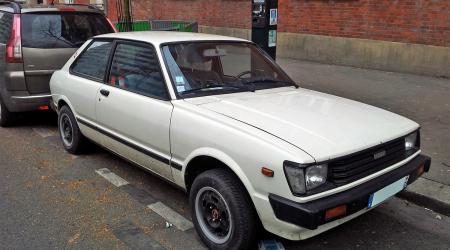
(268, 80)
(209, 87)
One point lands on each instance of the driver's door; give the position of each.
(133, 108)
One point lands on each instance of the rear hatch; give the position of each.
(50, 38)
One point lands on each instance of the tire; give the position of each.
(219, 197)
(72, 139)
(6, 117)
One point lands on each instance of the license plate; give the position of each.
(387, 192)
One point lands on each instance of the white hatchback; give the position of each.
(219, 118)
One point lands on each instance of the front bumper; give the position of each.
(311, 215)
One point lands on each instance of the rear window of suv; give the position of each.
(61, 30)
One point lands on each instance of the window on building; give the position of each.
(136, 68)
(93, 61)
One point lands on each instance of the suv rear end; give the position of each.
(36, 40)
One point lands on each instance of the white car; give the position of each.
(219, 118)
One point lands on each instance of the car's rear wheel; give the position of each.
(221, 210)
(74, 142)
(6, 117)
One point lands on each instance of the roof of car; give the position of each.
(160, 37)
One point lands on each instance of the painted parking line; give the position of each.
(171, 216)
(135, 237)
(45, 132)
(112, 177)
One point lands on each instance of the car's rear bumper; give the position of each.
(311, 215)
(23, 103)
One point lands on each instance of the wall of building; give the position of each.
(410, 36)
(407, 21)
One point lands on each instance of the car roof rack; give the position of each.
(14, 5)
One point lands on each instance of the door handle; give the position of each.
(104, 92)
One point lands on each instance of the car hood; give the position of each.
(324, 126)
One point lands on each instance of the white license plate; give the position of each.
(387, 192)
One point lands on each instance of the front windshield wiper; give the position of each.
(268, 80)
(212, 86)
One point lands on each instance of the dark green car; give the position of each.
(36, 40)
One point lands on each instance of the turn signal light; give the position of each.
(267, 172)
(335, 212)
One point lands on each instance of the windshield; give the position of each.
(208, 68)
(61, 30)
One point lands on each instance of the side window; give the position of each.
(136, 68)
(93, 61)
(6, 20)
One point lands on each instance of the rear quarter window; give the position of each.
(61, 30)
(5, 26)
(92, 62)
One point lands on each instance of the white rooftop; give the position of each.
(159, 37)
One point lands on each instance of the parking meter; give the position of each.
(264, 25)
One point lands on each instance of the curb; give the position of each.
(430, 194)
(426, 201)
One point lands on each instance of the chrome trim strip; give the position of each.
(31, 97)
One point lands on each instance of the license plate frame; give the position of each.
(387, 192)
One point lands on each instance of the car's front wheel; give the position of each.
(221, 210)
(73, 141)
(6, 117)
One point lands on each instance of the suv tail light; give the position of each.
(14, 44)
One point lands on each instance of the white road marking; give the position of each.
(45, 132)
(112, 177)
(170, 215)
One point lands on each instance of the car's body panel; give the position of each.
(246, 131)
(39, 65)
(120, 107)
(332, 126)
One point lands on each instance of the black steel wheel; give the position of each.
(73, 141)
(222, 211)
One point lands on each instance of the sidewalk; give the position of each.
(423, 99)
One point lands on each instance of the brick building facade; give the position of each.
(319, 30)
(409, 21)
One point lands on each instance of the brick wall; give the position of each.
(221, 13)
(409, 21)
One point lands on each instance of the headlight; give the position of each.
(303, 178)
(411, 141)
(316, 176)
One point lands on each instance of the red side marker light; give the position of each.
(267, 172)
(45, 107)
(421, 170)
(335, 212)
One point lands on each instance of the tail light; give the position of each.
(14, 44)
(112, 25)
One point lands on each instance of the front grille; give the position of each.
(359, 165)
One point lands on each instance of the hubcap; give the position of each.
(66, 130)
(213, 215)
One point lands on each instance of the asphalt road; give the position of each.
(51, 199)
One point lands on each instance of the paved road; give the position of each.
(50, 199)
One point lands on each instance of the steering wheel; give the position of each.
(240, 75)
